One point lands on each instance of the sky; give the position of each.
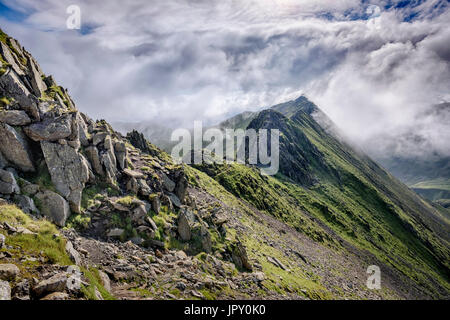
(376, 68)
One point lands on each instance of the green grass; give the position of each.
(44, 242)
(94, 279)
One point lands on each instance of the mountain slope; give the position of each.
(139, 226)
(349, 193)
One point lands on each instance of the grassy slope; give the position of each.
(358, 200)
(47, 244)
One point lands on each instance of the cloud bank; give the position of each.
(377, 74)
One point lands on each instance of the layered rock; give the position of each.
(15, 148)
(69, 171)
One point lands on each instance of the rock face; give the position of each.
(240, 257)
(137, 140)
(6, 52)
(8, 271)
(51, 129)
(14, 117)
(94, 159)
(25, 203)
(54, 207)
(15, 148)
(8, 184)
(69, 171)
(5, 290)
(184, 226)
(73, 254)
(57, 283)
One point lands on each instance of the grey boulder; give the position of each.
(54, 207)
(15, 117)
(15, 148)
(69, 171)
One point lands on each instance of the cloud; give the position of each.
(180, 61)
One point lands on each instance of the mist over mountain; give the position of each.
(100, 210)
(177, 62)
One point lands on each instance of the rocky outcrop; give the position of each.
(69, 171)
(25, 203)
(138, 141)
(8, 183)
(57, 283)
(240, 257)
(14, 117)
(9, 272)
(50, 129)
(8, 55)
(54, 207)
(37, 83)
(15, 148)
(5, 290)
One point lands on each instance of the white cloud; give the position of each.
(179, 61)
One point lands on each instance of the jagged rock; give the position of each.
(9, 271)
(115, 233)
(37, 83)
(99, 138)
(259, 276)
(138, 141)
(94, 159)
(137, 240)
(8, 184)
(108, 145)
(49, 81)
(21, 290)
(152, 223)
(8, 55)
(54, 207)
(134, 174)
(240, 257)
(106, 282)
(3, 161)
(82, 129)
(121, 154)
(156, 204)
(2, 241)
(277, 263)
(14, 117)
(181, 188)
(175, 201)
(147, 231)
(56, 296)
(97, 294)
(50, 129)
(5, 290)
(110, 167)
(29, 188)
(132, 186)
(144, 189)
(69, 171)
(206, 241)
(12, 87)
(168, 184)
(184, 226)
(57, 283)
(26, 204)
(73, 254)
(138, 214)
(15, 148)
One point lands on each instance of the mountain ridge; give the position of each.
(73, 191)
